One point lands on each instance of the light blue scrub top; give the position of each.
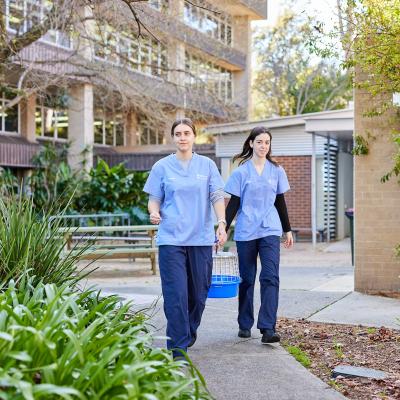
(257, 216)
(185, 207)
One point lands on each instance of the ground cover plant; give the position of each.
(59, 343)
(328, 345)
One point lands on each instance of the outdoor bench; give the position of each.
(320, 231)
(144, 233)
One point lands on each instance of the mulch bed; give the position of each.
(328, 345)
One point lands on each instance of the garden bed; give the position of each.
(321, 347)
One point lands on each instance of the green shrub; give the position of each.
(56, 343)
(112, 189)
(28, 245)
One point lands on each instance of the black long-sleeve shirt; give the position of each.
(280, 205)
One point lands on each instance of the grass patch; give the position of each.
(299, 355)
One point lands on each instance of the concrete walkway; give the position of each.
(320, 290)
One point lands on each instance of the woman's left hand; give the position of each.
(221, 234)
(288, 240)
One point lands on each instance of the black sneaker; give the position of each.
(244, 333)
(193, 340)
(270, 336)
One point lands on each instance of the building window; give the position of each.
(216, 24)
(205, 75)
(22, 15)
(109, 129)
(145, 55)
(160, 5)
(9, 117)
(149, 134)
(51, 122)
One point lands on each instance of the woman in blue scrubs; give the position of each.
(182, 187)
(257, 190)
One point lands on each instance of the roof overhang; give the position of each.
(337, 124)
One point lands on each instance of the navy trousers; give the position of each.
(185, 279)
(269, 250)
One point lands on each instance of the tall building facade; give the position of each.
(111, 85)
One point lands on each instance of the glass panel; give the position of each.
(38, 121)
(109, 128)
(134, 55)
(119, 134)
(124, 50)
(145, 56)
(229, 88)
(229, 35)
(144, 136)
(155, 56)
(33, 12)
(164, 63)
(153, 136)
(98, 130)
(16, 14)
(11, 119)
(62, 124)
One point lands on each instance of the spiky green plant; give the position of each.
(28, 244)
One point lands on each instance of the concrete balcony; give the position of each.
(171, 27)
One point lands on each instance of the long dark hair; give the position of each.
(183, 121)
(247, 151)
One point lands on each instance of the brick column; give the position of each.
(377, 205)
(242, 79)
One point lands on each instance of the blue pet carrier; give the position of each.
(225, 276)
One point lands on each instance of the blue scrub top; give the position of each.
(185, 207)
(257, 216)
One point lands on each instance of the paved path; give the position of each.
(237, 369)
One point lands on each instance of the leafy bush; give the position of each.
(27, 244)
(56, 343)
(112, 189)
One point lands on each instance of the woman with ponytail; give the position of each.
(257, 190)
(183, 188)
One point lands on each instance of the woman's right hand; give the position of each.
(155, 218)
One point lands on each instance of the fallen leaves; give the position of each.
(328, 345)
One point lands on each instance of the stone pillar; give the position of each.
(131, 129)
(377, 217)
(80, 129)
(28, 124)
(242, 79)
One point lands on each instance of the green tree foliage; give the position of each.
(290, 79)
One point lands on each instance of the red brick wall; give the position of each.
(298, 199)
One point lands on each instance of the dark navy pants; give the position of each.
(269, 250)
(185, 279)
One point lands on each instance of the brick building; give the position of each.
(315, 150)
(192, 61)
